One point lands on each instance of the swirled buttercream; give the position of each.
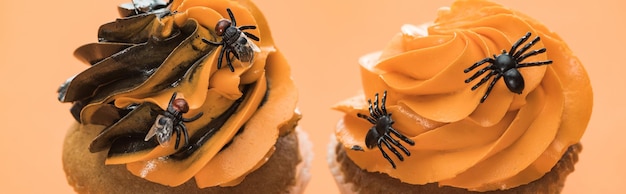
(509, 140)
(156, 50)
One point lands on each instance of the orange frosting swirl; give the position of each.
(143, 58)
(508, 140)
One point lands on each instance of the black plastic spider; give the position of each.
(172, 121)
(506, 65)
(136, 7)
(379, 133)
(234, 41)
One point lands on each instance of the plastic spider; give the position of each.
(172, 121)
(137, 7)
(379, 133)
(235, 41)
(506, 65)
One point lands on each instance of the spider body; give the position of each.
(234, 41)
(506, 66)
(379, 134)
(172, 121)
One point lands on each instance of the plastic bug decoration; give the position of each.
(379, 134)
(506, 65)
(235, 41)
(172, 121)
(146, 6)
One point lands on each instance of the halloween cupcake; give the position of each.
(483, 99)
(186, 96)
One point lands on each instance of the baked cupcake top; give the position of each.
(155, 82)
(435, 116)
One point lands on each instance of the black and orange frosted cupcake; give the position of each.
(187, 96)
(484, 99)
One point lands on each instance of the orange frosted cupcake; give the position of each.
(484, 99)
(189, 96)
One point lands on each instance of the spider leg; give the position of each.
(229, 61)
(478, 74)
(177, 137)
(376, 109)
(519, 42)
(192, 118)
(251, 36)
(185, 132)
(531, 53)
(170, 108)
(490, 87)
(234, 53)
(370, 108)
(526, 47)
(386, 156)
(370, 119)
(394, 142)
(402, 137)
(135, 7)
(384, 101)
(536, 63)
(247, 27)
(223, 53)
(485, 79)
(488, 59)
(400, 157)
(232, 17)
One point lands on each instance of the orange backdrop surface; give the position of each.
(322, 39)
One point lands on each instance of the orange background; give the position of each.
(322, 39)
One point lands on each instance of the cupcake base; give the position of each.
(352, 179)
(286, 171)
